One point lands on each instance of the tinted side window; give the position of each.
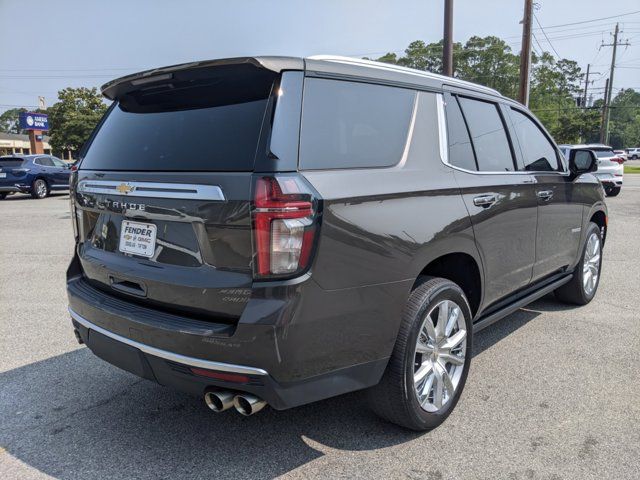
(353, 125)
(538, 153)
(57, 162)
(460, 149)
(488, 135)
(44, 161)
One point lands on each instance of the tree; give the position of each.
(9, 120)
(73, 117)
(625, 119)
(489, 61)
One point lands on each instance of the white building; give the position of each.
(13, 143)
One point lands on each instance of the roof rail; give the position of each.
(398, 68)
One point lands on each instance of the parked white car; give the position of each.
(610, 166)
(633, 153)
(622, 154)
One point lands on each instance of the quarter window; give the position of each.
(538, 153)
(57, 162)
(460, 149)
(488, 135)
(44, 161)
(353, 125)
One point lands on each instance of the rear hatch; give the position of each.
(12, 171)
(163, 193)
(606, 162)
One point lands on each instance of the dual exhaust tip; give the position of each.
(245, 404)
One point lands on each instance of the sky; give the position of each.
(47, 46)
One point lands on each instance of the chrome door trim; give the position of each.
(174, 357)
(184, 191)
(444, 147)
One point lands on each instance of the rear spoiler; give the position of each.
(120, 86)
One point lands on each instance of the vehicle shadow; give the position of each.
(16, 197)
(75, 417)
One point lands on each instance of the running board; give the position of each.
(484, 322)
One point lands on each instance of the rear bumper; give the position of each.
(173, 370)
(18, 187)
(610, 179)
(291, 351)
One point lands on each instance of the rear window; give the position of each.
(603, 153)
(11, 162)
(353, 125)
(208, 121)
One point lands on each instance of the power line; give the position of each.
(545, 36)
(592, 20)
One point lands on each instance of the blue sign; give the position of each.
(34, 121)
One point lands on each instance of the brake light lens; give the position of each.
(618, 160)
(284, 225)
(20, 172)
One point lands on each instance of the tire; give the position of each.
(612, 191)
(39, 188)
(3, 195)
(577, 291)
(395, 398)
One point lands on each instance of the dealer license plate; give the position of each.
(138, 238)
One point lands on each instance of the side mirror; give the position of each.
(582, 160)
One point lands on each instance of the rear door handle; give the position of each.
(545, 194)
(484, 200)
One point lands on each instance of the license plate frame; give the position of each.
(138, 238)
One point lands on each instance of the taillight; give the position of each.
(618, 160)
(19, 172)
(72, 205)
(74, 168)
(285, 216)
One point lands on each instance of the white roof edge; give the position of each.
(398, 68)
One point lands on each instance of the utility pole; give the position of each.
(604, 131)
(447, 51)
(525, 53)
(604, 112)
(586, 86)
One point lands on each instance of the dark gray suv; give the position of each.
(277, 231)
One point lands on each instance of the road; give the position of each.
(553, 391)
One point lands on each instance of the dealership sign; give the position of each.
(34, 121)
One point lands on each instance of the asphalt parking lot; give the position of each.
(553, 392)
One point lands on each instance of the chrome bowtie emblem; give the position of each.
(125, 188)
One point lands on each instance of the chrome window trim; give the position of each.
(407, 144)
(171, 356)
(444, 149)
(443, 133)
(182, 191)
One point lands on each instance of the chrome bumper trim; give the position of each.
(174, 357)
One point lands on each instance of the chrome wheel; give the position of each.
(591, 264)
(41, 188)
(439, 355)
